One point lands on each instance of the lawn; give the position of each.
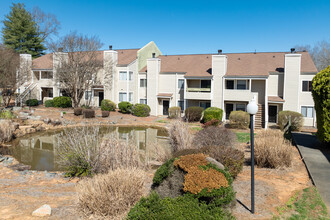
(243, 137)
(305, 204)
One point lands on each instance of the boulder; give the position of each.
(43, 211)
(215, 162)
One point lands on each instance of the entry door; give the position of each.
(101, 97)
(166, 105)
(229, 108)
(272, 113)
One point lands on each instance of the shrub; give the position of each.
(212, 122)
(212, 113)
(125, 107)
(88, 113)
(321, 96)
(141, 110)
(77, 111)
(105, 114)
(180, 137)
(32, 102)
(174, 112)
(6, 114)
(111, 195)
(163, 171)
(62, 102)
(108, 105)
(183, 207)
(49, 103)
(272, 150)
(231, 158)
(297, 120)
(215, 136)
(193, 113)
(239, 119)
(6, 131)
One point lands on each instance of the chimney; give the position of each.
(153, 55)
(219, 52)
(293, 50)
(110, 47)
(60, 49)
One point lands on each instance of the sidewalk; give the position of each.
(317, 162)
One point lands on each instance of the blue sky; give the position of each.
(185, 27)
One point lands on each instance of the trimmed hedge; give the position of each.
(88, 113)
(62, 102)
(239, 119)
(77, 111)
(141, 110)
(125, 107)
(49, 103)
(32, 102)
(105, 114)
(297, 120)
(108, 105)
(193, 113)
(212, 113)
(321, 96)
(174, 112)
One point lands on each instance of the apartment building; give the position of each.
(278, 80)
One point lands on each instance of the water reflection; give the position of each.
(39, 150)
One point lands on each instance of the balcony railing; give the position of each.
(198, 89)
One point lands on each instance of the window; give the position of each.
(143, 101)
(130, 76)
(205, 83)
(229, 84)
(306, 86)
(123, 75)
(181, 104)
(88, 95)
(240, 107)
(46, 75)
(130, 97)
(143, 82)
(123, 97)
(205, 105)
(181, 83)
(307, 112)
(241, 84)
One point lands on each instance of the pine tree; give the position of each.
(20, 32)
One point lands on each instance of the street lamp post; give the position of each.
(252, 109)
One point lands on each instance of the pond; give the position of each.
(38, 150)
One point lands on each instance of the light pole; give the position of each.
(252, 109)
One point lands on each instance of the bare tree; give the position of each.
(9, 64)
(77, 67)
(320, 53)
(47, 24)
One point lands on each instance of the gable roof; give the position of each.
(125, 57)
(238, 64)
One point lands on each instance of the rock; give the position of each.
(50, 175)
(216, 163)
(43, 211)
(56, 122)
(47, 120)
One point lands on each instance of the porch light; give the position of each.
(252, 109)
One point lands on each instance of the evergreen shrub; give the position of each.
(32, 102)
(239, 119)
(174, 112)
(212, 113)
(62, 102)
(125, 107)
(141, 110)
(108, 105)
(49, 103)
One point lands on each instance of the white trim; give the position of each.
(308, 106)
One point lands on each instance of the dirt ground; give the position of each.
(21, 192)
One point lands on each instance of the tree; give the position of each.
(320, 53)
(77, 67)
(11, 75)
(321, 96)
(20, 32)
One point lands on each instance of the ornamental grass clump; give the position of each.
(174, 112)
(193, 113)
(297, 120)
(239, 119)
(272, 150)
(180, 137)
(6, 131)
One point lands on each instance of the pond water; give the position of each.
(38, 150)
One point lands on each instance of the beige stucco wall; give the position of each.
(258, 86)
(219, 69)
(152, 82)
(275, 84)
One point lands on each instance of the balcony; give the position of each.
(239, 95)
(198, 93)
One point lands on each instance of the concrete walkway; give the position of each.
(317, 162)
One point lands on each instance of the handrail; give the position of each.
(198, 89)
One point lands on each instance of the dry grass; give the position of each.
(215, 136)
(6, 131)
(272, 150)
(180, 137)
(110, 195)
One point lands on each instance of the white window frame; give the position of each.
(182, 85)
(247, 85)
(130, 96)
(121, 73)
(302, 86)
(130, 75)
(88, 95)
(307, 107)
(144, 83)
(123, 94)
(143, 101)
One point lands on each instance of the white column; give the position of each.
(266, 103)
